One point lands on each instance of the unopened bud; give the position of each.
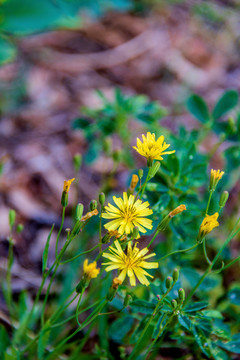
(116, 155)
(216, 175)
(174, 304)
(113, 289)
(12, 218)
(134, 182)
(140, 173)
(79, 211)
(164, 223)
(135, 233)
(223, 199)
(19, 228)
(93, 205)
(154, 169)
(102, 198)
(181, 294)
(169, 281)
(175, 275)
(77, 161)
(127, 300)
(107, 145)
(178, 210)
(64, 199)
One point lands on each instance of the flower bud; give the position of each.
(113, 289)
(127, 300)
(175, 275)
(64, 199)
(135, 233)
(19, 228)
(12, 218)
(223, 199)
(133, 184)
(116, 155)
(101, 198)
(140, 173)
(107, 145)
(93, 205)
(181, 294)
(79, 211)
(154, 169)
(164, 223)
(169, 281)
(216, 175)
(177, 210)
(77, 161)
(174, 304)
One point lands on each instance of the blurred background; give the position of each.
(84, 79)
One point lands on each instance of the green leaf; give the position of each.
(185, 322)
(45, 251)
(143, 306)
(198, 108)
(7, 51)
(4, 340)
(195, 306)
(213, 314)
(119, 329)
(234, 296)
(232, 346)
(43, 341)
(226, 103)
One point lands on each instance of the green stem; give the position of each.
(154, 237)
(177, 251)
(231, 263)
(78, 305)
(59, 232)
(208, 270)
(90, 318)
(135, 350)
(205, 252)
(145, 183)
(8, 275)
(77, 256)
(209, 200)
(100, 230)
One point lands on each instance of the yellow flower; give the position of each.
(152, 149)
(131, 264)
(128, 214)
(67, 184)
(178, 210)
(116, 282)
(90, 270)
(216, 175)
(208, 224)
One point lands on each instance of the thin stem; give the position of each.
(231, 263)
(209, 200)
(177, 251)
(8, 275)
(100, 230)
(135, 350)
(60, 230)
(145, 183)
(205, 252)
(198, 284)
(77, 256)
(78, 305)
(154, 237)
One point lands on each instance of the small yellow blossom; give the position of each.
(131, 264)
(216, 175)
(178, 210)
(89, 215)
(152, 149)
(128, 214)
(116, 282)
(90, 270)
(208, 224)
(134, 182)
(67, 184)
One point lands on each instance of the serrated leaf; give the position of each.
(198, 108)
(195, 306)
(226, 103)
(45, 251)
